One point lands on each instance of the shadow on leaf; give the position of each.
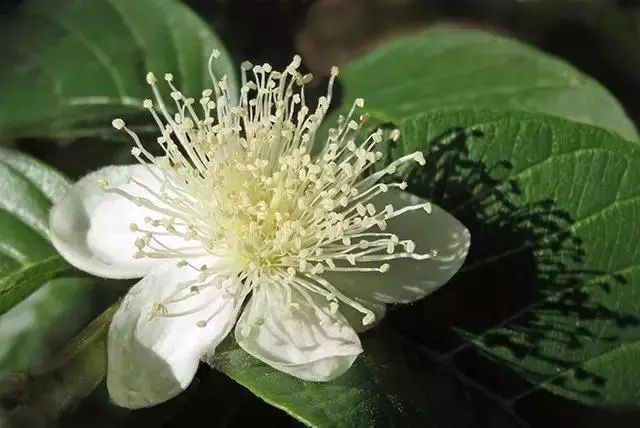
(523, 297)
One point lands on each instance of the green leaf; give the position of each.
(550, 287)
(63, 75)
(27, 258)
(49, 181)
(449, 67)
(71, 376)
(34, 301)
(36, 328)
(389, 385)
(18, 285)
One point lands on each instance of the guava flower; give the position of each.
(242, 215)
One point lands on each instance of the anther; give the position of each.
(371, 210)
(151, 78)
(377, 136)
(118, 123)
(140, 243)
(333, 307)
(368, 318)
(158, 309)
(390, 247)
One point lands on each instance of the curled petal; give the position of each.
(301, 337)
(91, 227)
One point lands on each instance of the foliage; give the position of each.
(537, 159)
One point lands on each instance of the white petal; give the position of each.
(308, 343)
(409, 279)
(90, 227)
(152, 359)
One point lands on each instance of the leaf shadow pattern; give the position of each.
(524, 283)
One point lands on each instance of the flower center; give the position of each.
(239, 181)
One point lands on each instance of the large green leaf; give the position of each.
(68, 67)
(359, 398)
(468, 68)
(27, 258)
(551, 286)
(393, 384)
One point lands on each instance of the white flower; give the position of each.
(232, 216)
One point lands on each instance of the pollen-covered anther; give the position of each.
(151, 78)
(368, 319)
(419, 157)
(118, 123)
(158, 309)
(333, 307)
(409, 246)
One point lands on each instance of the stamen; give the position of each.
(236, 180)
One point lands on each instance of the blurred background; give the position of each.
(600, 37)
